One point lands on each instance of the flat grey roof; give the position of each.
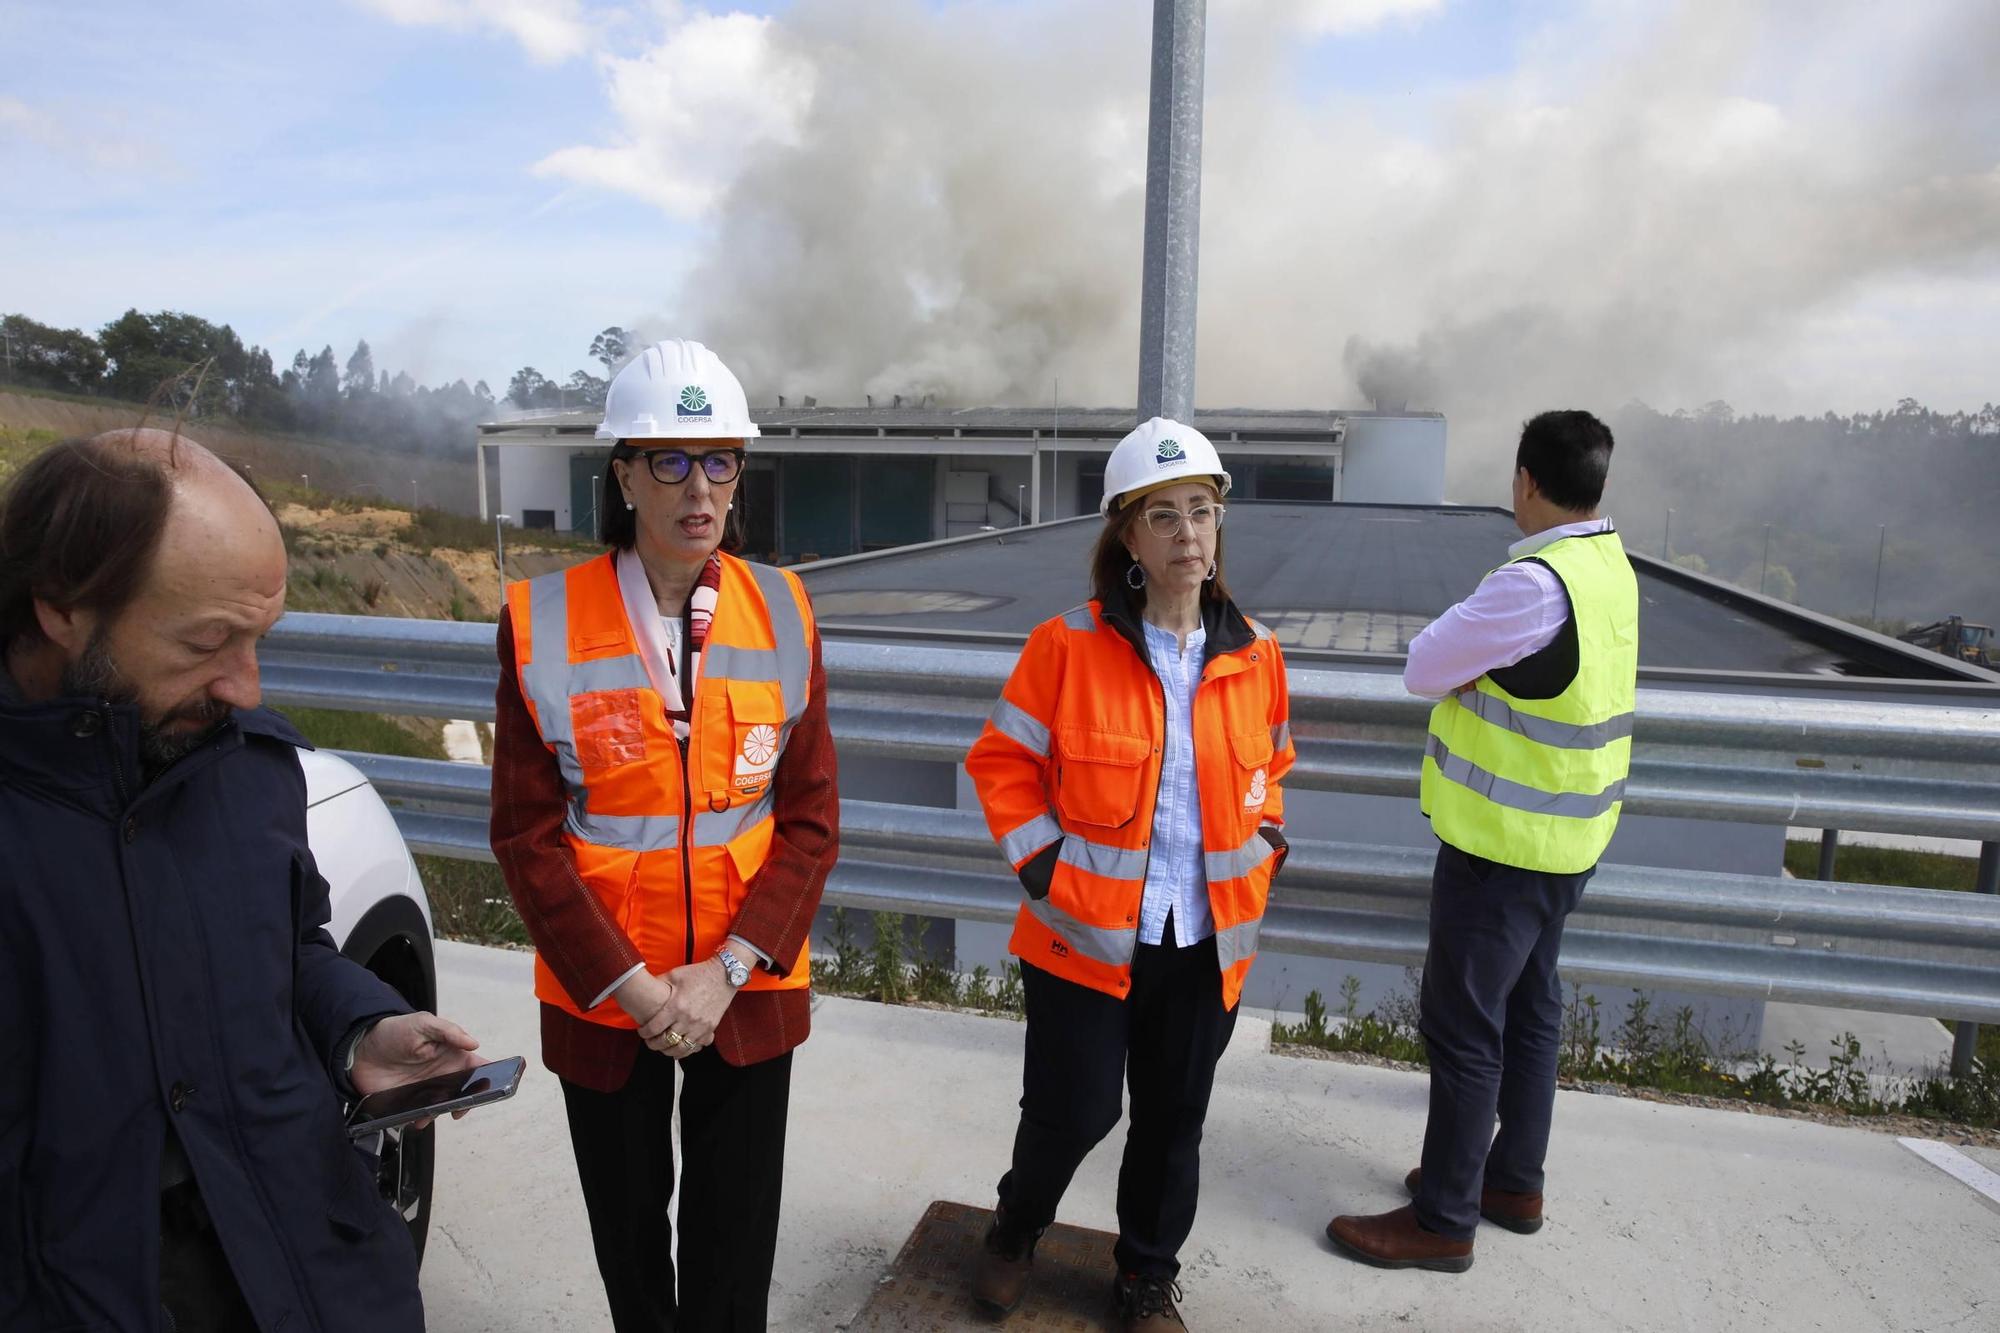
(1100, 423)
(1344, 581)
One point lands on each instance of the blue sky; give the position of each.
(473, 190)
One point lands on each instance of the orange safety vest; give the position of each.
(668, 839)
(1073, 751)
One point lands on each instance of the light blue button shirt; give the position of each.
(1176, 873)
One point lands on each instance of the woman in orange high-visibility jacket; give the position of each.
(1130, 773)
(665, 814)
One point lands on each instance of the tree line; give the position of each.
(1811, 508)
(190, 366)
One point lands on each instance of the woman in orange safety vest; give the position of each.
(1130, 773)
(665, 815)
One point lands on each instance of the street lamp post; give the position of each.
(1020, 505)
(1881, 549)
(500, 553)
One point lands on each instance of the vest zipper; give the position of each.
(687, 839)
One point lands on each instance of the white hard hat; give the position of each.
(676, 390)
(1159, 451)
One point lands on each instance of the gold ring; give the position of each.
(674, 1038)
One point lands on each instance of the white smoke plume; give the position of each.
(947, 200)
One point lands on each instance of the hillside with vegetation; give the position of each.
(1829, 498)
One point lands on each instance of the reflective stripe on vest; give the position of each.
(1018, 726)
(1539, 783)
(1103, 943)
(1030, 838)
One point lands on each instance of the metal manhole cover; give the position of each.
(928, 1289)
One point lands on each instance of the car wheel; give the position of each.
(392, 942)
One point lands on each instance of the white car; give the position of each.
(382, 920)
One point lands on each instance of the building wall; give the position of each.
(1394, 460)
(534, 477)
(1397, 460)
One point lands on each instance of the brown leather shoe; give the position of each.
(1520, 1213)
(1145, 1304)
(1395, 1240)
(1001, 1277)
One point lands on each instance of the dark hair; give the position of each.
(79, 526)
(1569, 456)
(618, 527)
(1109, 561)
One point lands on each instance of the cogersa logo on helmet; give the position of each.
(693, 403)
(1170, 452)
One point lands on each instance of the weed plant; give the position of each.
(898, 968)
(1672, 1054)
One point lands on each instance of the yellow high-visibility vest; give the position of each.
(1538, 783)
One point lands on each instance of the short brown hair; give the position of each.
(1109, 561)
(79, 526)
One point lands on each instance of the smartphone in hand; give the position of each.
(430, 1097)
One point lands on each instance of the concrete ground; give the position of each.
(1660, 1217)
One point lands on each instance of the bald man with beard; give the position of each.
(177, 1030)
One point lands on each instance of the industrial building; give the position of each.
(824, 482)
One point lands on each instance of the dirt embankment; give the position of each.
(282, 465)
(382, 562)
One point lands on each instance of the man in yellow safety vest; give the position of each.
(1524, 775)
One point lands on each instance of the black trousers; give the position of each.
(1164, 1041)
(1491, 1015)
(198, 1290)
(732, 1170)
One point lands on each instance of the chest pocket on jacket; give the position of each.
(1099, 775)
(1253, 752)
(608, 728)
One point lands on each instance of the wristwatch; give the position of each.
(732, 966)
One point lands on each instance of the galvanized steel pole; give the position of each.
(1169, 277)
(1965, 1041)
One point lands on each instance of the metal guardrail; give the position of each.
(1863, 946)
(1880, 767)
(1877, 766)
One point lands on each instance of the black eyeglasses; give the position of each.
(671, 467)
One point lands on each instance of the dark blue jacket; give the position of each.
(164, 960)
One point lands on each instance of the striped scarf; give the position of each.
(700, 615)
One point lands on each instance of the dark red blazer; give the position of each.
(585, 948)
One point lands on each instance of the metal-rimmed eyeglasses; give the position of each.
(671, 467)
(1164, 522)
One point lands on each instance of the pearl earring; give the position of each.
(630, 505)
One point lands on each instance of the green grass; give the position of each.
(372, 733)
(1913, 869)
(469, 901)
(18, 446)
(1886, 865)
(897, 969)
(1667, 1053)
